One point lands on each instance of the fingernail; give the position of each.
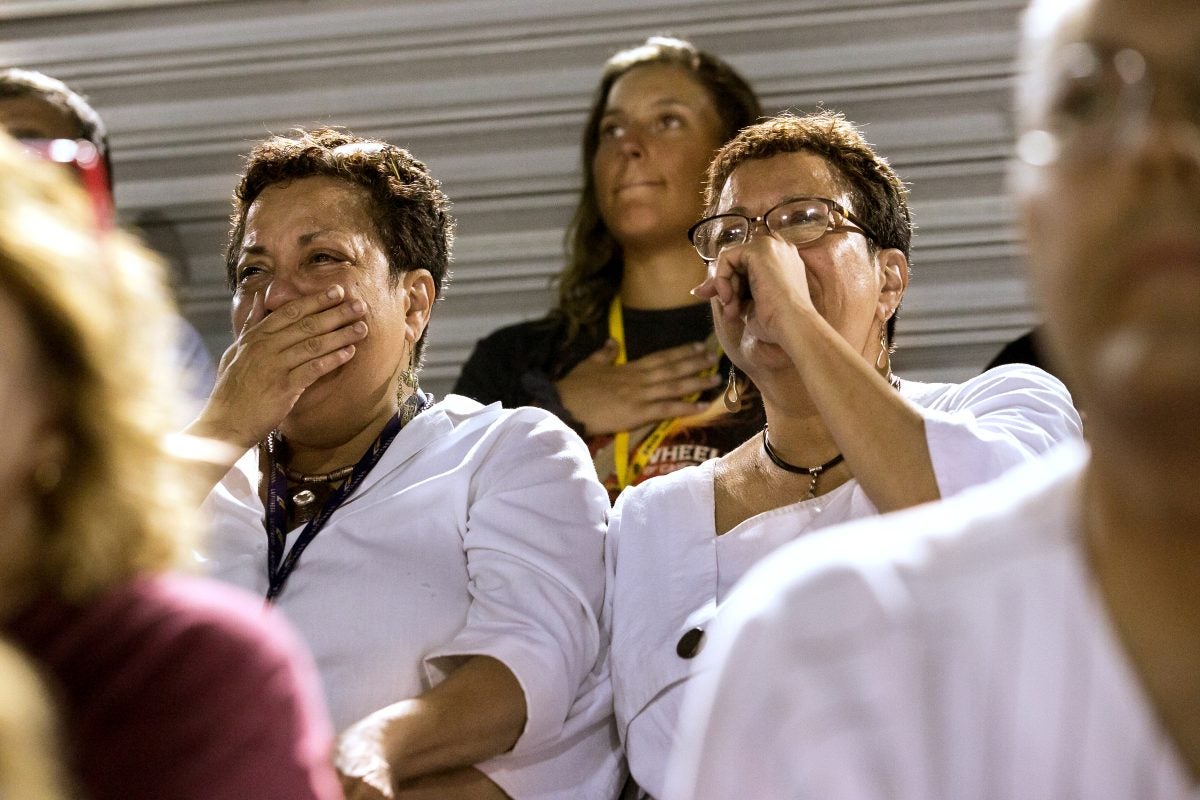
(358, 306)
(360, 327)
(333, 292)
(699, 347)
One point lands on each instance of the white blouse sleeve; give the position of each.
(981, 428)
(534, 542)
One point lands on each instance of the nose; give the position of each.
(631, 142)
(281, 290)
(1171, 147)
(1169, 141)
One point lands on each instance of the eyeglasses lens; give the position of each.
(799, 222)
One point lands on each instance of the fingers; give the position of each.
(308, 328)
(605, 354)
(308, 372)
(306, 311)
(675, 362)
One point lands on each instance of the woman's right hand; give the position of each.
(608, 397)
(274, 358)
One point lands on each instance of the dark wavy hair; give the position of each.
(594, 267)
(406, 204)
(16, 83)
(877, 194)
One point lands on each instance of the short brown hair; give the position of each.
(410, 212)
(877, 195)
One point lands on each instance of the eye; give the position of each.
(670, 122)
(610, 129)
(247, 271)
(321, 257)
(1086, 101)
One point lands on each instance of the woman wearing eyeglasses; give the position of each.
(807, 242)
(628, 357)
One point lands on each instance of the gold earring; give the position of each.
(732, 398)
(882, 360)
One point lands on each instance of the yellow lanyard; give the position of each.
(627, 471)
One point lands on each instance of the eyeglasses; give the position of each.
(799, 220)
(1101, 103)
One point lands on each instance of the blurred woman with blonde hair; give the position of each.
(30, 765)
(154, 672)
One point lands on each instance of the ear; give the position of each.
(420, 294)
(893, 281)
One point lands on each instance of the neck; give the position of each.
(661, 277)
(311, 455)
(800, 440)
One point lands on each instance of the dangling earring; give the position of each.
(882, 360)
(732, 398)
(407, 385)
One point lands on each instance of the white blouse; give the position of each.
(668, 570)
(954, 650)
(480, 532)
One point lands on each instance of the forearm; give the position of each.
(463, 783)
(209, 449)
(881, 434)
(476, 713)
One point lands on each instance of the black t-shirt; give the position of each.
(518, 365)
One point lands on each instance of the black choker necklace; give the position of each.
(812, 472)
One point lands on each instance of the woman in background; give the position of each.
(170, 686)
(628, 357)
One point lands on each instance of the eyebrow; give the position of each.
(304, 238)
(666, 101)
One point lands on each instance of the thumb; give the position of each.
(256, 314)
(606, 354)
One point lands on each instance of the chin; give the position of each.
(765, 361)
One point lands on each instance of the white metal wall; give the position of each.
(492, 95)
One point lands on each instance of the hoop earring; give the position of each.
(732, 397)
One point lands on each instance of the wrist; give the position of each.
(399, 738)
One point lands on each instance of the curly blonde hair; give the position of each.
(96, 305)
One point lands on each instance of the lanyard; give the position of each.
(628, 469)
(279, 569)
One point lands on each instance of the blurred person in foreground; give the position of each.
(36, 108)
(808, 240)
(1038, 637)
(628, 357)
(32, 766)
(169, 686)
(443, 560)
